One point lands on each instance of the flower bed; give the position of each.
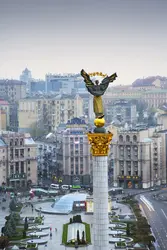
(76, 232)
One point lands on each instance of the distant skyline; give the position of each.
(124, 36)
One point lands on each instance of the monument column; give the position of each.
(100, 149)
(100, 141)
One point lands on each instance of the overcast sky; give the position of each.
(126, 36)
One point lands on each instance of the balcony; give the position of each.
(21, 176)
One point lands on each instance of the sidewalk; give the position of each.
(122, 209)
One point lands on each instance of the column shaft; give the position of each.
(100, 201)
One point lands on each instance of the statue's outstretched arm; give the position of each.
(86, 77)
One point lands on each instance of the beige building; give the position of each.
(4, 114)
(48, 113)
(153, 96)
(73, 153)
(12, 91)
(18, 159)
(137, 158)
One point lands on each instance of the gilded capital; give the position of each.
(100, 143)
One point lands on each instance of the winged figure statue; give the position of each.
(97, 90)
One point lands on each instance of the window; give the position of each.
(28, 162)
(28, 149)
(120, 138)
(135, 138)
(127, 138)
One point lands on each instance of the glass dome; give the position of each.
(65, 203)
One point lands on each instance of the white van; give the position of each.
(54, 186)
(65, 187)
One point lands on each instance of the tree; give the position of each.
(78, 236)
(128, 229)
(16, 216)
(83, 237)
(26, 224)
(35, 131)
(12, 223)
(8, 231)
(2, 230)
(12, 205)
(141, 106)
(71, 221)
(24, 234)
(74, 219)
(4, 242)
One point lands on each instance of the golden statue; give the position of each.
(97, 90)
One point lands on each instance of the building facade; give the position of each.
(18, 159)
(12, 91)
(26, 77)
(47, 113)
(121, 111)
(73, 153)
(63, 83)
(137, 157)
(4, 115)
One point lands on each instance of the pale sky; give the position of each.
(124, 36)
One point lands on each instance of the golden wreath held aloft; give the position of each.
(97, 74)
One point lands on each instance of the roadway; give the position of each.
(156, 213)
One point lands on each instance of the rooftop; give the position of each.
(29, 141)
(11, 82)
(76, 121)
(65, 204)
(2, 143)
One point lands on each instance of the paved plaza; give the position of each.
(56, 222)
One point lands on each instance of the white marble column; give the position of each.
(100, 203)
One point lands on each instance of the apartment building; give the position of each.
(18, 159)
(12, 91)
(126, 93)
(155, 98)
(121, 112)
(73, 153)
(48, 113)
(137, 158)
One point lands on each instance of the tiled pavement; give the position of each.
(57, 221)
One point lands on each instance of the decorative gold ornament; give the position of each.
(99, 122)
(97, 74)
(100, 143)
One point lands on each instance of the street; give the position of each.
(156, 213)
